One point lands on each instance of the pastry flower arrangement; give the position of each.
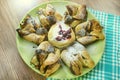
(61, 38)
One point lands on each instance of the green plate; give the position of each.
(26, 49)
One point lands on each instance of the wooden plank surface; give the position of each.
(11, 11)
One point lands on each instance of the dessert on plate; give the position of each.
(61, 35)
(61, 38)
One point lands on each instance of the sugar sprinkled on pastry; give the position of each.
(75, 57)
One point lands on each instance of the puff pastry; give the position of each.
(48, 16)
(48, 58)
(89, 32)
(75, 57)
(75, 15)
(31, 30)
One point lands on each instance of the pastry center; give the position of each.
(63, 34)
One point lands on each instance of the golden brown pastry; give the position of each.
(98, 34)
(87, 39)
(48, 58)
(81, 13)
(35, 61)
(34, 38)
(76, 57)
(50, 10)
(48, 16)
(61, 35)
(75, 15)
(52, 68)
(31, 30)
(72, 9)
(89, 32)
(74, 23)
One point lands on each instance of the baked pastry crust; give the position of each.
(76, 57)
(89, 32)
(54, 32)
(47, 58)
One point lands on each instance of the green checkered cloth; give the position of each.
(108, 67)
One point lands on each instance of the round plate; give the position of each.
(26, 49)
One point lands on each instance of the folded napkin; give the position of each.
(108, 67)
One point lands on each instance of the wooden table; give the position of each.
(11, 12)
